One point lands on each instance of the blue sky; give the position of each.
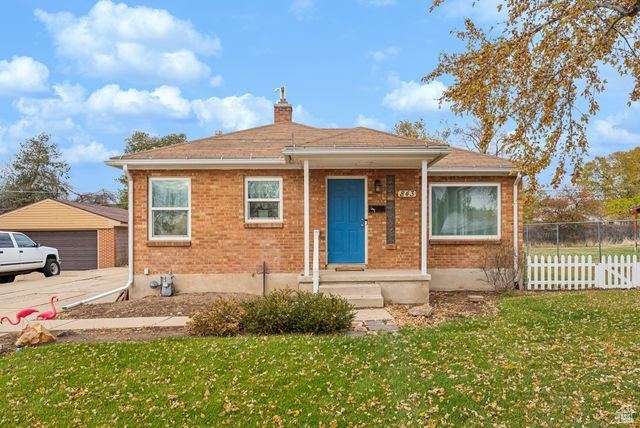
(90, 73)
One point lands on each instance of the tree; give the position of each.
(542, 72)
(570, 203)
(101, 197)
(418, 129)
(139, 142)
(615, 179)
(470, 135)
(37, 172)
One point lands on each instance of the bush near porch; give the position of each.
(282, 311)
(557, 359)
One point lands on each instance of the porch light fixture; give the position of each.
(377, 186)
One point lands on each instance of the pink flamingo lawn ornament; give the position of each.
(49, 315)
(20, 316)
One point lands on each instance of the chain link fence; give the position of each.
(595, 238)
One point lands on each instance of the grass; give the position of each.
(548, 359)
(586, 251)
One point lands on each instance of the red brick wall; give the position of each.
(406, 253)
(221, 242)
(106, 248)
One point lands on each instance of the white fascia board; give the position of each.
(471, 170)
(198, 163)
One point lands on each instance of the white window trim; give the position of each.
(151, 210)
(466, 237)
(280, 200)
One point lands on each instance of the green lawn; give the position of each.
(552, 359)
(586, 251)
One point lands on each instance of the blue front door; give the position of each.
(345, 198)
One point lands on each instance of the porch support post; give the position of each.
(306, 218)
(423, 223)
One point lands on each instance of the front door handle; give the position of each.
(365, 221)
(21, 251)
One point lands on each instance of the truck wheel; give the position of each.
(51, 267)
(6, 279)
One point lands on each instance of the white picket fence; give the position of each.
(581, 273)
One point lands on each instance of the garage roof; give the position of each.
(50, 214)
(109, 212)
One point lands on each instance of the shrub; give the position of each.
(223, 318)
(283, 311)
(288, 311)
(271, 314)
(498, 266)
(321, 313)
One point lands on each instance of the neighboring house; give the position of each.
(87, 236)
(214, 211)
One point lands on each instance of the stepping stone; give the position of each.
(475, 298)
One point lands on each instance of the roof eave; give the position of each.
(472, 170)
(196, 163)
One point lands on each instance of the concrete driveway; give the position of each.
(35, 291)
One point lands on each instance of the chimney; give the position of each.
(282, 110)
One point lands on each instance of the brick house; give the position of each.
(367, 214)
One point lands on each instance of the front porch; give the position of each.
(371, 288)
(367, 211)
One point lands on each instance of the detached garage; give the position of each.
(87, 236)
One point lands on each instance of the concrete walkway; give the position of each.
(104, 323)
(363, 317)
(35, 291)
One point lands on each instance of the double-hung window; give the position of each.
(465, 211)
(263, 199)
(170, 208)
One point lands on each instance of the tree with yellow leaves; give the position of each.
(541, 71)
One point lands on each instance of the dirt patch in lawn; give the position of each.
(96, 336)
(447, 305)
(151, 306)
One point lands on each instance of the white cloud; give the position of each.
(413, 97)
(22, 74)
(609, 132)
(384, 54)
(301, 115)
(56, 115)
(92, 152)
(69, 100)
(110, 100)
(233, 112)
(370, 122)
(302, 9)
(216, 81)
(115, 39)
(28, 126)
(165, 101)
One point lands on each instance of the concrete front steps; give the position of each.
(372, 288)
(360, 291)
(359, 294)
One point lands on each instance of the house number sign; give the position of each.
(406, 193)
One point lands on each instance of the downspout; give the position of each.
(130, 239)
(516, 247)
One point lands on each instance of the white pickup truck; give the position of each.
(20, 255)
